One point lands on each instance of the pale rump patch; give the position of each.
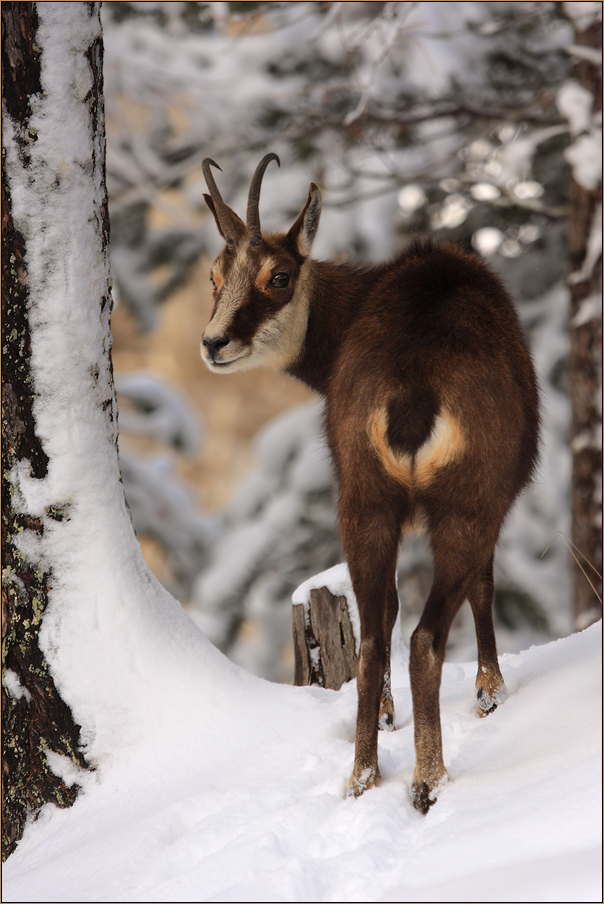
(445, 444)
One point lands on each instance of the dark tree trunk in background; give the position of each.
(585, 364)
(34, 717)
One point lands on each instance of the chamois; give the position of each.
(431, 415)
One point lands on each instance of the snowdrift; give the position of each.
(213, 785)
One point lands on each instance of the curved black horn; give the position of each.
(253, 214)
(222, 212)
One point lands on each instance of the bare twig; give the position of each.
(570, 544)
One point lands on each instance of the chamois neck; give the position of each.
(335, 294)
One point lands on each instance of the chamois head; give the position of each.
(260, 300)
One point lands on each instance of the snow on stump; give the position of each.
(325, 626)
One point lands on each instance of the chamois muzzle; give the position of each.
(214, 345)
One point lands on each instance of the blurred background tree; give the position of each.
(471, 121)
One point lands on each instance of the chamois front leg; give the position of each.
(370, 546)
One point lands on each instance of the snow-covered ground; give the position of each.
(219, 786)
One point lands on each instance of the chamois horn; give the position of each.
(253, 214)
(222, 211)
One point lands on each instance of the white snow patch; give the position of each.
(13, 685)
(591, 54)
(575, 103)
(67, 770)
(487, 239)
(593, 251)
(590, 308)
(585, 153)
(583, 12)
(585, 158)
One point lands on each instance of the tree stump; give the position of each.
(324, 644)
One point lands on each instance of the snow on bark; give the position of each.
(108, 623)
(35, 719)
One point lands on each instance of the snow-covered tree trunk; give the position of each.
(585, 281)
(55, 318)
(86, 621)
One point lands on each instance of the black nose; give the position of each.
(212, 345)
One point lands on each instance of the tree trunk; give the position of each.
(324, 645)
(35, 719)
(585, 361)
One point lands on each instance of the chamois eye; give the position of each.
(213, 283)
(280, 280)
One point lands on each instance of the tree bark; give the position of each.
(35, 719)
(324, 645)
(585, 365)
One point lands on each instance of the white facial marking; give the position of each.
(235, 291)
(279, 341)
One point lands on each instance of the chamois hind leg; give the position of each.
(426, 656)
(490, 687)
(370, 540)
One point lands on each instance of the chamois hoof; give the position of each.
(368, 778)
(424, 796)
(386, 722)
(488, 702)
(420, 796)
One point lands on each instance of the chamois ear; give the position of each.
(238, 224)
(302, 233)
